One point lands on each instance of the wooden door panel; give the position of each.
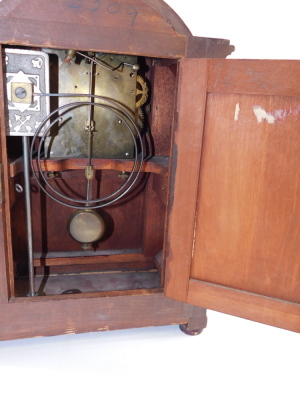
(248, 216)
(243, 304)
(266, 77)
(244, 255)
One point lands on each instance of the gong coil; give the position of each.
(83, 204)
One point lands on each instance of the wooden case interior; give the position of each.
(131, 253)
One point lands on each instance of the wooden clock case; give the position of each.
(212, 220)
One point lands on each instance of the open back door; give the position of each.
(234, 226)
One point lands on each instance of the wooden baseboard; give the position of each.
(75, 314)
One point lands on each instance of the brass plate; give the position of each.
(21, 92)
(111, 138)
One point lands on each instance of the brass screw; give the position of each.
(123, 175)
(87, 246)
(19, 188)
(53, 175)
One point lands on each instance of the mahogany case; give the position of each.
(212, 220)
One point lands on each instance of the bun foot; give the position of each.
(190, 332)
(196, 323)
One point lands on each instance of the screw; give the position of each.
(87, 246)
(19, 188)
(123, 175)
(53, 175)
(126, 154)
(120, 122)
(20, 93)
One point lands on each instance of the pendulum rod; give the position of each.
(90, 128)
(28, 215)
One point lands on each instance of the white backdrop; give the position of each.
(233, 358)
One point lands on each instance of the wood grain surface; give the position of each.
(154, 214)
(199, 47)
(6, 264)
(188, 130)
(243, 236)
(42, 316)
(169, 15)
(266, 77)
(157, 166)
(130, 26)
(247, 224)
(163, 91)
(247, 305)
(51, 260)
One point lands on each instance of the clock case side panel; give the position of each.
(6, 266)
